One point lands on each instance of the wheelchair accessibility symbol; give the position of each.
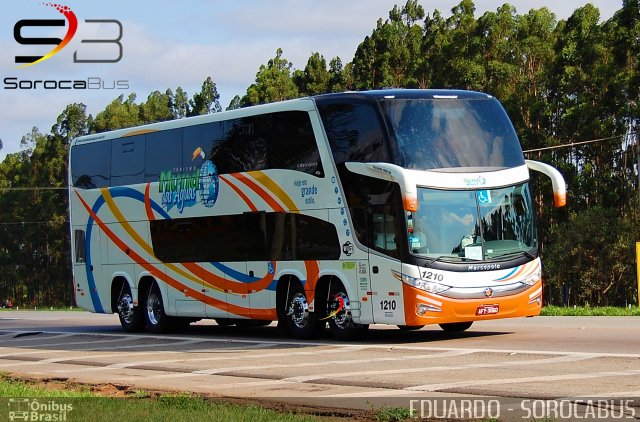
(484, 196)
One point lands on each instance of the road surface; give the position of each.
(514, 361)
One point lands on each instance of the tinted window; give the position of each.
(127, 160)
(376, 211)
(198, 141)
(164, 152)
(271, 141)
(252, 237)
(79, 245)
(452, 133)
(91, 165)
(355, 132)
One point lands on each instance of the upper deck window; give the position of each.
(452, 134)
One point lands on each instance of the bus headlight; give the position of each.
(532, 279)
(427, 286)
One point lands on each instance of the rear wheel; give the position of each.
(157, 320)
(130, 316)
(456, 327)
(341, 323)
(300, 322)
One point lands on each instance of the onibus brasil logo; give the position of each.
(186, 187)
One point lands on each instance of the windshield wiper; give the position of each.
(431, 261)
(516, 253)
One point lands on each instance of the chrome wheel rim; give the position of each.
(154, 309)
(299, 310)
(125, 308)
(342, 318)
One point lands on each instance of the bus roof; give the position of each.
(409, 94)
(303, 104)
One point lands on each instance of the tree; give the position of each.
(273, 82)
(157, 108)
(180, 107)
(118, 114)
(236, 102)
(207, 101)
(315, 78)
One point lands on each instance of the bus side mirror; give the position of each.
(393, 173)
(557, 181)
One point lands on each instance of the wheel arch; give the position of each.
(282, 289)
(118, 281)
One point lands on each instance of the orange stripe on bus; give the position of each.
(275, 189)
(257, 189)
(241, 194)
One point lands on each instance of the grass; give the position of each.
(85, 405)
(44, 308)
(589, 311)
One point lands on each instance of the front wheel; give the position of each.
(456, 327)
(341, 323)
(157, 321)
(130, 316)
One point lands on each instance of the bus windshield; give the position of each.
(478, 225)
(452, 134)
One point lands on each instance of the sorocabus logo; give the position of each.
(60, 43)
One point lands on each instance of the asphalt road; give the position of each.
(515, 361)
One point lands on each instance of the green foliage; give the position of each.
(206, 101)
(274, 82)
(589, 311)
(392, 414)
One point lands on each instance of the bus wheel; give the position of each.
(300, 322)
(456, 327)
(410, 327)
(130, 316)
(157, 320)
(341, 323)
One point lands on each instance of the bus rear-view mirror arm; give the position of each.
(392, 173)
(557, 181)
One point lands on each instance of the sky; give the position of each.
(169, 44)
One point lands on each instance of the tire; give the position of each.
(410, 327)
(456, 327)
(131, 317)
(341, 323)
(157, 321)
(300, 323)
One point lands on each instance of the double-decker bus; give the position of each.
(402, 207)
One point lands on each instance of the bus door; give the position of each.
(384, 235)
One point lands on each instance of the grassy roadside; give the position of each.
(589, 311)
(61, 400)
(80, 403)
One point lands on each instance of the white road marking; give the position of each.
(559, 359)
(548, 378)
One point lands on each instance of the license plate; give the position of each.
(488, 309)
